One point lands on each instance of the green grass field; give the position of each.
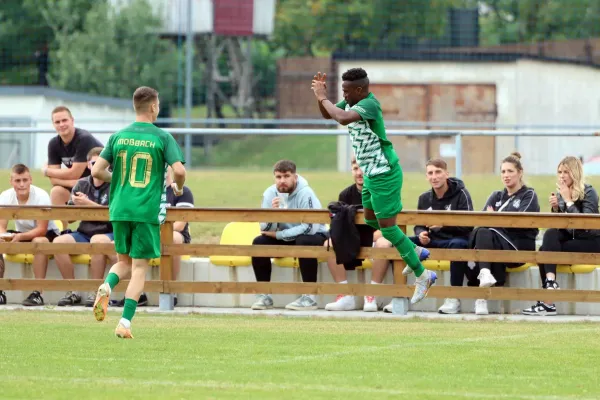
(51, 355)
(244, 188)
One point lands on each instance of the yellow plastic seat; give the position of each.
(289, 262)
(19, 258)
(236, 233)
(27, 258)
(155, 262)
(83, 259)
(520, 268)
(576, 269)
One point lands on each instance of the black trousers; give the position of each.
(308, 266)
(559, 240)
(488, 239)
(458, 269)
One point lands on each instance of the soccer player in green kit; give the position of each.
(361, 112)
(140, 155)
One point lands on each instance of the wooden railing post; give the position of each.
(165, 300)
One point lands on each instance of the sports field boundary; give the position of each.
(317, 314)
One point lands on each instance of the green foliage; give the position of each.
(115, 52)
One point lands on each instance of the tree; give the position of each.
(307, 27)
(517, 21)
(25, 37)
(115, 52)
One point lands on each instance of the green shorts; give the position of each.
(381, 193)
(139, 240)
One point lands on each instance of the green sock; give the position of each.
(405, 247)
(112, 279)
(129, 309)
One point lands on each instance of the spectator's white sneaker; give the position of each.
(450, 306)
(370, 304)
(342, 303)
(388, 308)
(481, 307)
(486, 279)
(263, 302)
(303, 303)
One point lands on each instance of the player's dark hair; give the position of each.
(60, 109)
(285, 166)
(438, 163)
(19, 169)
(94, 152)
(143, 97)
(354, 74)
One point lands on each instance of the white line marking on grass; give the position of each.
(424, 342)
(272, 386)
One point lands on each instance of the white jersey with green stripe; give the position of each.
(375, 154)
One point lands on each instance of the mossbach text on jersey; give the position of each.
(137, 143)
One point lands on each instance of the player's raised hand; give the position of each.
(319, 86)
(321, 77)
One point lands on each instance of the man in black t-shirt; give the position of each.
(69, 148)
(351, 195)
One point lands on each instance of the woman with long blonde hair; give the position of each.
(572, 196)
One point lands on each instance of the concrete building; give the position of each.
(505, 89)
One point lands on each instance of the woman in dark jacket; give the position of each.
(573, 197)
(515, 197)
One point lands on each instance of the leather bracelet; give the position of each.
(322, 100)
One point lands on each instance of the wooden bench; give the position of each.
(456, 218)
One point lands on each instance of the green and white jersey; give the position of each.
(139, 155)
(375, 154)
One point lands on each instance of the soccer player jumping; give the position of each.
(375, 154)
(139, 154)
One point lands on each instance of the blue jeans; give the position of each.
(83, 238)
(458, 269)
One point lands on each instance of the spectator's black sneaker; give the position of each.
(34, 299)
(2, 297)
(70, 299)
(142, 301)
(550, 284)
(540, 308)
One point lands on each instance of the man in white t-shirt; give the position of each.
(40, 231)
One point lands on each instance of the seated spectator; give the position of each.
(289, 191)
(515, 197)
(40, 231)
(181, 232)
(90, 192)
(351, 195)
(573, 196)
(69, 148)
(446, 194)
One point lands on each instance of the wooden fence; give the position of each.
(165, 284)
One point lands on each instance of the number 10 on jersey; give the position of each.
(137, 161)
